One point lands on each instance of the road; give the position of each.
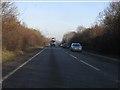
(55, 67)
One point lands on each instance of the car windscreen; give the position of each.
(76, 45)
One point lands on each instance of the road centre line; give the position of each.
(73, 56)
(8, 75)
(84, 62)
(89, 65)
(117, 81)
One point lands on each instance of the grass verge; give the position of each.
(10, 55)
(7, 56)
(13, 55)
(17, 59)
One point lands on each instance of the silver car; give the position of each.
(76, 47)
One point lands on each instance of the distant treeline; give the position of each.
(16, 35)
(103, 36)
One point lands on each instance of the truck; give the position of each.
(52, 42)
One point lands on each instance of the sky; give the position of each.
(54, 19)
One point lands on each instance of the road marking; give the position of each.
(89, 65)
(5, 77)
(85, 63)
(73, 56)
(113, 59)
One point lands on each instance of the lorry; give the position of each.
(52, 42)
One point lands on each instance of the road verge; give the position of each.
(9, 66)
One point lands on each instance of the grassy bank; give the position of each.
(12, 60)
(13, 55)
(10, 55)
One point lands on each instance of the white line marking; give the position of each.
(5, 77)
(73, 56)
(89, 65)
(85, 62)
(113, 59)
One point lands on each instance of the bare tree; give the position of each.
(104, 34)
(9, 9)
(80, 29)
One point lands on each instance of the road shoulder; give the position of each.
(106, 57)
(11, 65)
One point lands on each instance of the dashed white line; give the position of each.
(73, 56)
(85, 62)
(90, 65)
(8, 75)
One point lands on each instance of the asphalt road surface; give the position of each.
(55, 67)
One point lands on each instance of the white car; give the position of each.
(76, 47)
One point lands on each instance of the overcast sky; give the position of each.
(54, 19)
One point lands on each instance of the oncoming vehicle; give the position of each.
(65, 45)
(76, 47)
(52, 42)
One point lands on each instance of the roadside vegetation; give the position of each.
(17, 38)
(101, 37)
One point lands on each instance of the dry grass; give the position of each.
(13, 55)
(8, 55)
(0, 57)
